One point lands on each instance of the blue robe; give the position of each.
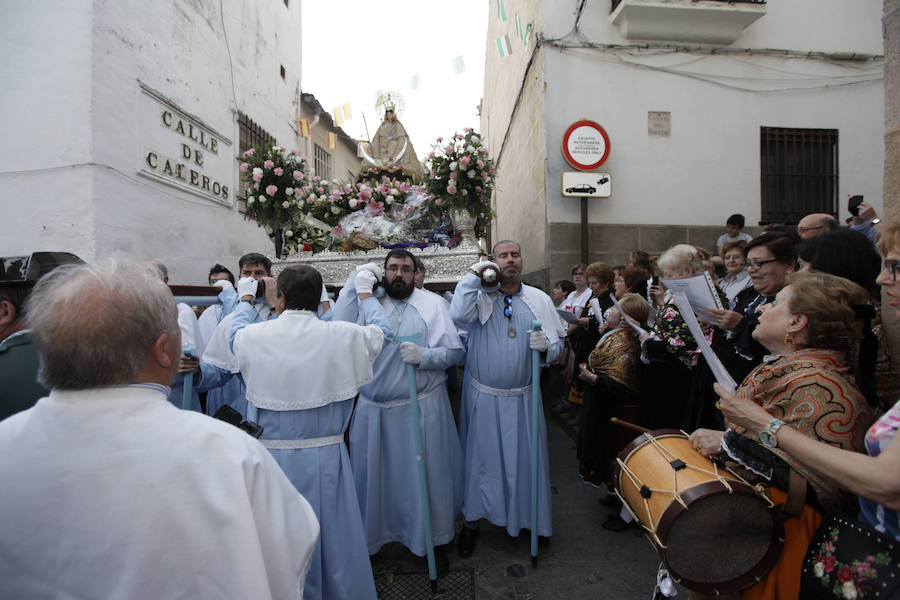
(340, 566)
(495, 429)
(382, 446)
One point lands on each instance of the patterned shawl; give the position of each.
(812, 391)
(617, 354)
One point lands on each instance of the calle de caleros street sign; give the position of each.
(585, 145)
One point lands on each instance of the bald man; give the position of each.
(816, 224)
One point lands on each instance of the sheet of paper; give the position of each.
(634, 324)
(598, 313)
(565, 315)
(700, 291)
(718, 369)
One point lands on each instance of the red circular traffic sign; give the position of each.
(585, 145)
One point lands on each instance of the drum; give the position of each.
(714, 531)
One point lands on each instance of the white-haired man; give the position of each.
(495, 416)
(107, 496)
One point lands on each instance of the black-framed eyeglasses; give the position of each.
(890, 266)
(755, 265)
(507, 308)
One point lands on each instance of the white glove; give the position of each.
(365, 281)
(374, 268)
(484, 264)
(410, 353)
(223, 284)
(324, 297)
(537, 340)
(247, 287)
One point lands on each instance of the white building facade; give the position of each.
(772, 110)
(123, 122)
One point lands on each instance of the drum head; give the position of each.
(721, 542)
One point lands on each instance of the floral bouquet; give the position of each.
(461, 177)
(274, 179)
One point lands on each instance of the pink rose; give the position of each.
(467, 129)
(244, 167)
(298, 175)
(404, 187)
(279, 171)
(317, 178)
(250, 152)
(257, 177)
(246, 186)
(311, 199)
(438, 200)
(432, 174)
(320, 191)
(294, 151)
(480, 163)
(464, 162)
(268, 164)
(440, 139)
(448, 149)
(477, 188)
(454, 175)
(271, 189)
(451, 189)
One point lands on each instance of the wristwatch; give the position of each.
(876, 221)
(767, 436)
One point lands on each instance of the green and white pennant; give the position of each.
(503, 46)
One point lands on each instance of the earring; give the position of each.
(788, 339)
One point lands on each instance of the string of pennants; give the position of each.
(523, 31)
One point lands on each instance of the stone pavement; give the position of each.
(583, 560)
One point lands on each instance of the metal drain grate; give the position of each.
(457, 585)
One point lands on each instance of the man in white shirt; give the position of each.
(109, 495)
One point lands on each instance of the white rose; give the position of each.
(250, 200)
(453, 166)
(472, 174)
(335, 210)
(257, 171)
(323, 198)
(819, 569)
(285, 204)
(848, 589)
(395, 192)
(353, 203)
(476, 139)
(470, 148)
(288, 233)
(465, 192)
(288, 191)
(262, 199)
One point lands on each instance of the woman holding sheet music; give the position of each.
(770, 257)
(811, 331)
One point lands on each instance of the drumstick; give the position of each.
(629, 425)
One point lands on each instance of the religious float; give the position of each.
(437, 212)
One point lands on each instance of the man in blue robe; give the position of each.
(382, 446)
(495, 416)
(301, 375)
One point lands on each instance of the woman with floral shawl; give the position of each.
(805, 383)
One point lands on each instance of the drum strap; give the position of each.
(796, 497)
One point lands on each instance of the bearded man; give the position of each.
(382, 448)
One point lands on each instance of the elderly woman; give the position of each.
(811, 330)
(737, 278)
(631, 280)
(875, 476)
(585, 332)
(770, 257)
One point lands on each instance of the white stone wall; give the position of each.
(709, 167)
(77, 103)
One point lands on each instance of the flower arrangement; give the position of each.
(460, 176)
(273, 180)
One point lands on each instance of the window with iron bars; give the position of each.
(799, 173)
(250, 135)
(322, 162)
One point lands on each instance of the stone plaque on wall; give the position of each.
(178, 149)
(659, 124)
